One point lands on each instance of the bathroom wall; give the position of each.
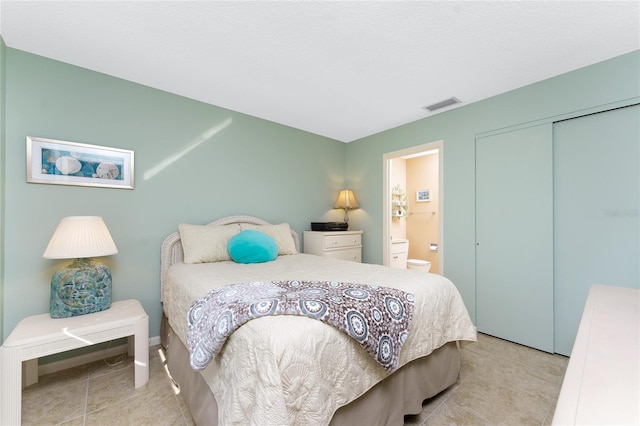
(422, 220)
(398, 177)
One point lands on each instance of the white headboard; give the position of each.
(171, 250)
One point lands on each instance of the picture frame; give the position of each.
(423, 195)
(56, 162)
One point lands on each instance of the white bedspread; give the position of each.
(296, 370)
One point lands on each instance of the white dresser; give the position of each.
(346, 245)
(602, 381)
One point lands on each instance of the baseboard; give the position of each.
(75, 361)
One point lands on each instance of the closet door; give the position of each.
(596, 203)
(514, 236)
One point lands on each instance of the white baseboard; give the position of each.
(75, 361)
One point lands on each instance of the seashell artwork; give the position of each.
(72, 163)
(107, 170)
(68, 165)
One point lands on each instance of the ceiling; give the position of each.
(341, 69)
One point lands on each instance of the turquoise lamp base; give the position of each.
(82, 288)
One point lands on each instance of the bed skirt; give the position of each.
(384, 404)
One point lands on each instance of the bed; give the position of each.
(293, 369)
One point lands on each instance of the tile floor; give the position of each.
(501, 383)
(99, 394)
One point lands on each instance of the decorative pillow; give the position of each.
(252, 247)
(206, 243)
(280, 233)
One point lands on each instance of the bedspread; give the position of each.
(378, 318)
(296, 370)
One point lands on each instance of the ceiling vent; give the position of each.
(447, 102)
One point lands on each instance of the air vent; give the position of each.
(447, 102)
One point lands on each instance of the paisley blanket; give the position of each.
(378, 318)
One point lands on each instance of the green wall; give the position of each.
(2, 179)
(243, 165)
(612, 83)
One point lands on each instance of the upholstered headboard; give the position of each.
(171, 250)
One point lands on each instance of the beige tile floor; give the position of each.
(100, 394)
(501, 383)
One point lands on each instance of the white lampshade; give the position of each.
(346, 200)
(80, 237)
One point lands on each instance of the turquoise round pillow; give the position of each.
(252, 247)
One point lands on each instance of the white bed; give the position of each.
(296, 370)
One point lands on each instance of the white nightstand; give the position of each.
(41, 335)
(346, 245)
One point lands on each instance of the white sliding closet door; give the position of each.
(596, 204)
(514, 236)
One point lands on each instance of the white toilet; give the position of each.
(400, 252)
(419, 265)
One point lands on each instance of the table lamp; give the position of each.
(83, 287)
(346, 200)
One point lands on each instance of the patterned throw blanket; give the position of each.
(378, 318)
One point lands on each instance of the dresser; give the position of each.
(602, 381)
(346, 245)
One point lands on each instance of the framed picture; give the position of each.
(423, 195)
(71, 163)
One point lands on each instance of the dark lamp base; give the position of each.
(82, 288)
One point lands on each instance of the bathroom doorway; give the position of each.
(413, 200)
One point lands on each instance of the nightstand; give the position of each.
(346, 245)
(41, 335)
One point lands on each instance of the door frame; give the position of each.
(386, 197)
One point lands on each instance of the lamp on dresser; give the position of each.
(83, 287)
(346, 201)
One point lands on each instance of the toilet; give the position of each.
(419, 265)
(400, 251)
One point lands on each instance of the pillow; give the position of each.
(280, 233)
(252, 247)
(206, 243)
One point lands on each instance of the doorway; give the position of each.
(419, 219)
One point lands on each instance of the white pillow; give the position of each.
(206, 243)
(280, 233)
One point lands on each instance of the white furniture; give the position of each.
(399, 253)
(602, 381)
(41, 335)
(346, 245)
